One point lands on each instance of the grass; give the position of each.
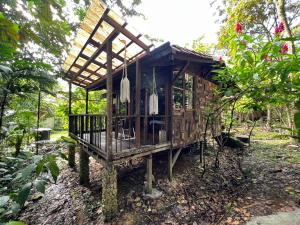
(277, 150)
(55, 135)
(261, 134)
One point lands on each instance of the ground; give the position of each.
(268, 184)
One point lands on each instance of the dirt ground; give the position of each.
(269, 184)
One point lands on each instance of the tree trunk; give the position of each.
(2, 107)
(38, 123)
(288, 116)
(19, 142)
(269, 118)
(280, 4)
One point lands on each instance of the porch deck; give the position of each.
(90, 131)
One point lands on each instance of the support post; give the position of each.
(109, 191)
(170, 165)
(109, 179)
(149, 174)
(70, 106)
(71, 156)
(109, 110)
(86, 111)
(138, 104)
(84, 170)
(70, 98)
(86, 102)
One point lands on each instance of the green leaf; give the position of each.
(3, 200)
(39, 167)
(23, 194)
(40, 185)
(15, 208)
(19, 176)
(297, 38)
(297, 120)
(52, 166)
(64, 156)
(27, 171)
(15, 223)
(5, 69)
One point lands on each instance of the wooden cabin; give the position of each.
(104, 49)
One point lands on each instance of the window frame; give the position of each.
(185, 90)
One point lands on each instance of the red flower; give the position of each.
(279, 28)
(238, 27)
(284, 49)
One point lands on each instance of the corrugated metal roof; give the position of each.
(191, 52)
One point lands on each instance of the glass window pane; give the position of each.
(179, 81)
(178, 99)
(189, 100)
(188, 82)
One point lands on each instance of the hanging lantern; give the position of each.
(125, 84)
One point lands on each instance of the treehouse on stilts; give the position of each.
(155, 97)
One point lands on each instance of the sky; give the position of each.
(177, 21)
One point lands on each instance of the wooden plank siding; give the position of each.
(189, 125)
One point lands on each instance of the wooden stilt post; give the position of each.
(71, 148)
(84, 171)
(149, 174)
(109, 178)
(109, 191)
(170, 165)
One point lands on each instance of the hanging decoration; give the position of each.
(125, 84)
(153, 100)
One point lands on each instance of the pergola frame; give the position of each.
(86, 81)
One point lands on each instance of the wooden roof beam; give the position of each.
(114, 55)
(110, 37)
(92, 34)
(128, 34)
(85, 78)
(95, 62)
(98, 51)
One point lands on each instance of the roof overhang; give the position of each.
(86, 63)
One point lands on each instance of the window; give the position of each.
(183, 91)
(189, 84)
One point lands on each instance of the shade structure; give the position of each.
(86, 62)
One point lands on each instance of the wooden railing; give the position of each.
(90, 128)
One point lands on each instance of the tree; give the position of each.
(258, 16)
(97, 104)
(24, 79)
(260, 69)
(200, 46)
